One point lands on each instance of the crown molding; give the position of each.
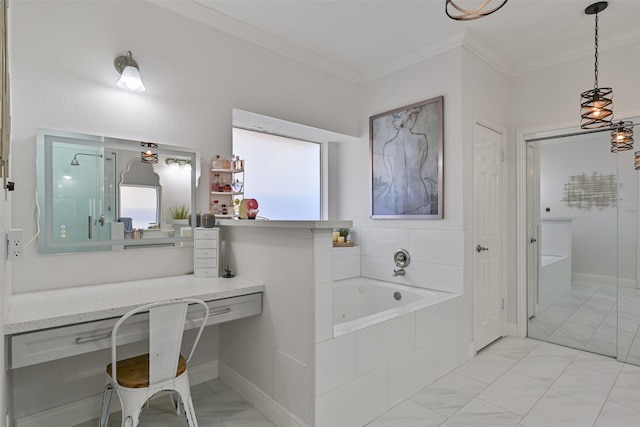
(211, 18)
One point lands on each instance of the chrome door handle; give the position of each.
(533, 240)
(480, 248)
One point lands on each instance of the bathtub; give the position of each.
(361, 302)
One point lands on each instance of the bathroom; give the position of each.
(61, 59)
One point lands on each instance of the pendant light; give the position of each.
(463, 14)
(621, 136)
(596, 104)
(148, 156)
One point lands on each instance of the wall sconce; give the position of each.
(596, 104)
(621, 136)
(130, 73)
(470, 14)
(181, 163)
(149, 156)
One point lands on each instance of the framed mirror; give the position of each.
(98, 193)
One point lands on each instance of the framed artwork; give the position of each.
(406, 148)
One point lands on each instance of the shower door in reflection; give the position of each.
(79, 205)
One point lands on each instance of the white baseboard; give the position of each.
(89, 408)
(264, 403)
(612, 280)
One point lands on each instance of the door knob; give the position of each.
(533, 240)
(480, 248)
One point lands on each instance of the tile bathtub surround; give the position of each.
(346, 262)
(386, 363)
(437, 256)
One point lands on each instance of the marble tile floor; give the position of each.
(216, 405)
(513, 382)
(588, 318)
(526, 383)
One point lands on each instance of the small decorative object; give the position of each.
(227, 273)
(208, 220)
(340, 238)
(179, 214)
(198, 220)
(407, 162)
(248, 209)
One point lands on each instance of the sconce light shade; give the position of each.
(181, 163)
(622, 136)
(148, 156)
(130, 73)
(462, 14)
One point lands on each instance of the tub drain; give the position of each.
(397, 296)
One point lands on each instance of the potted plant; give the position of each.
(179, 214)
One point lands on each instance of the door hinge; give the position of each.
(503, 303)
(502, 156)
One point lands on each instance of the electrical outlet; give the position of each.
(14, 244)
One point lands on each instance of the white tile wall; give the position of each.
(324, 311)
(346, 263)
(412, 372)
(453, 350)
(335, 363)
(355, 403)
(386, 341)
(362, 374)
(290, 379)
(437, 256)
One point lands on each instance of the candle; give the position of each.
(336, 234)
(340, 239)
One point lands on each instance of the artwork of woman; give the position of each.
(407, 190)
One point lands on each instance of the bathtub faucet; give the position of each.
(398, 272)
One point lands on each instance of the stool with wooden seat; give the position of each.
(162, 369)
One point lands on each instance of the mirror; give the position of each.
(95, 193)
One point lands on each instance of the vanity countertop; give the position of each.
(285, 224)
(61, 307)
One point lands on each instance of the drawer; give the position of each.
(206, 233)
(205, 244)
(205, 272)
(205, 263)
(57, 343)
(205, 253)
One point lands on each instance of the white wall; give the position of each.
(63, 78)
(595, 232)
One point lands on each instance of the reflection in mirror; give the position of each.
(94, 193)
(140, 191)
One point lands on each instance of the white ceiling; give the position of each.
(361, 40)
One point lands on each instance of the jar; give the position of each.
(215, 207)
(216, 163)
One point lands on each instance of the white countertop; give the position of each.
(284, 224)
(61, 307)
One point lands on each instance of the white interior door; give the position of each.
(488, 241)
